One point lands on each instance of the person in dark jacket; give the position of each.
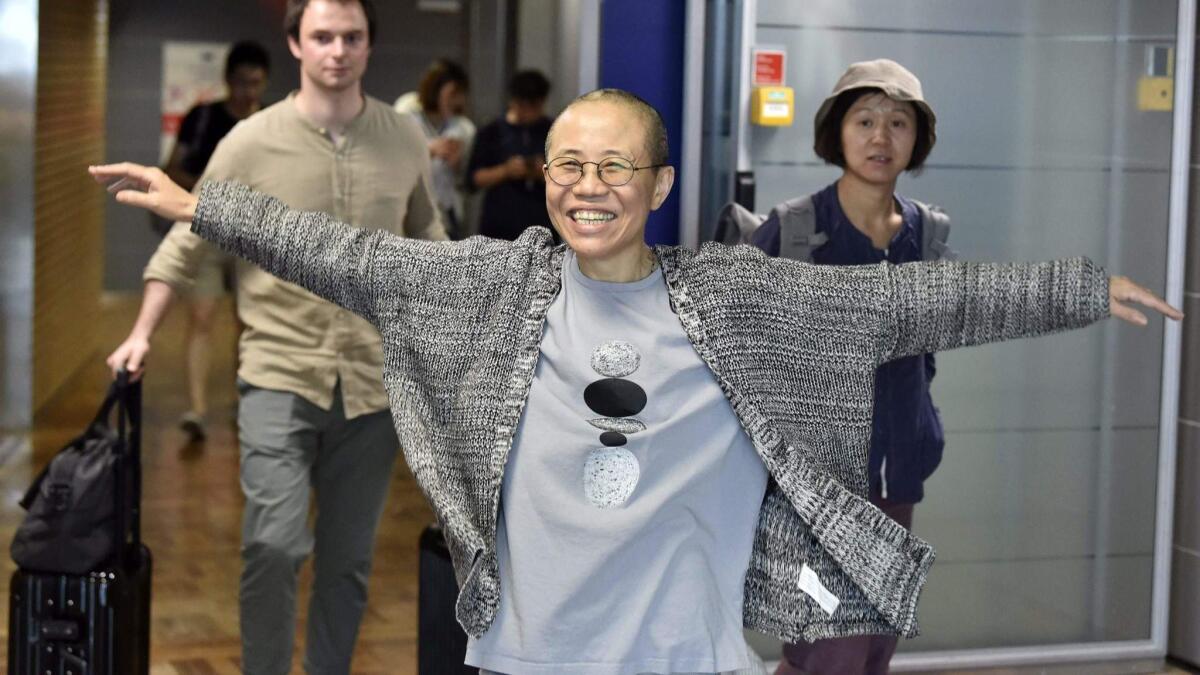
(875, 125)
(507, 161)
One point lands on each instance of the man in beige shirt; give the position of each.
(313, 412)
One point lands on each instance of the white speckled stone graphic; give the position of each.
(610, 476)
(616, 358)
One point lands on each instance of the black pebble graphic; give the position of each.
(610, 474)
(613, 439)
(614, 397)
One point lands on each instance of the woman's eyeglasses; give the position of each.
(614, 172)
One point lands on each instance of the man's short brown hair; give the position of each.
(657, 149)
(295, 12)
(827, 142)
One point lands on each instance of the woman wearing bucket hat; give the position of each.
(875, 125)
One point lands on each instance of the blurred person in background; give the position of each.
(246, 70)
(439, 106)
(507, 160)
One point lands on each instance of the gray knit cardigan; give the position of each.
(793, 346)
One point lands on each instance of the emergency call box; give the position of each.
(1156, 88)
(772, 106)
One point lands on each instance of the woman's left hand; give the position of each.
(1121, 291)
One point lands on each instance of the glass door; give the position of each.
(1048, 509)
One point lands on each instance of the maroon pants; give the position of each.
(861, 654)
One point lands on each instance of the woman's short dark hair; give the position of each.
(295, 12)
(528, 86)
(440, 73)
(247, 53)
(828, 140)
(657, 150)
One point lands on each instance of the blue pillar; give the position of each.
(641, 50)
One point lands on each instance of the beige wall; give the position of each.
(68, 207)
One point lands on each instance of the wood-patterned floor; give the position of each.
(191, 517)
(192, 509)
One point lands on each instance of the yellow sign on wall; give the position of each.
(1156, 93)
(1156, 88)
(772, 106)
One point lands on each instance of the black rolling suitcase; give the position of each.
(441, 642)
(63, 620)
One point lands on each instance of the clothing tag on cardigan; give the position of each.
(811, 584)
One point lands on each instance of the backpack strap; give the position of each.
(935, 231)
(798, 235)
(736, 224)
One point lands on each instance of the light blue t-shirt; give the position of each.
(629, 502)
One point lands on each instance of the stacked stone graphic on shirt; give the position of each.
(611, 472)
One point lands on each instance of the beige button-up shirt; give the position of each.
(377, 176)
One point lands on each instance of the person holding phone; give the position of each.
(507, 161)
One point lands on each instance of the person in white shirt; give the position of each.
(438, 105)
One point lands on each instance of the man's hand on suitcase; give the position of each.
(130, 356)
(146, 187)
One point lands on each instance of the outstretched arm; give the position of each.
(943, 305)
(330, 259)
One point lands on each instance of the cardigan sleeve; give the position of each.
(333, 260)
(935, 306)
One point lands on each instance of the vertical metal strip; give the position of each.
(693, 125)
(748, 32)
(1104, 476)
(589, 45)
(18, 81)
(1181, 139)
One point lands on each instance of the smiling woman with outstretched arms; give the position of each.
(636, 451)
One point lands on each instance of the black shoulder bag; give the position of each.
(82, 509)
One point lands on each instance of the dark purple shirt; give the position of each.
(906, 434)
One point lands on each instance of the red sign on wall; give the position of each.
(768, 67)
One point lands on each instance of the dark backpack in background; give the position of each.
(799, 237)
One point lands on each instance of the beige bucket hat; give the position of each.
(892, 78)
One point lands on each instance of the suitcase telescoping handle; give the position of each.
(128, 397)
(125, 395)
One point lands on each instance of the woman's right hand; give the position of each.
(130, 356)
(146, 187)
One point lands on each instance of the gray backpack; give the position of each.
(798, 235)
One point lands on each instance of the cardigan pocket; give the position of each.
(881, 558)
(776, 600)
